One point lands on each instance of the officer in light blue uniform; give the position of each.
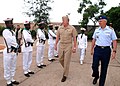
(101, 51)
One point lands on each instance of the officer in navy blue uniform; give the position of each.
(101, 51)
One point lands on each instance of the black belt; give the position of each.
(41, 41)
(102, 46)
(12, 49)
(28, 44)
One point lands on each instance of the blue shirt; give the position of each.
(104, 36)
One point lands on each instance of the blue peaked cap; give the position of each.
(102, 17)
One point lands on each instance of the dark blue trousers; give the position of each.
(101, 55)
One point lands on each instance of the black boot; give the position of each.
(63, 79)
(95, 80)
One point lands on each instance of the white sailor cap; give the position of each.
(8, 19)
(41, 23)
(26, 22)
(83, 29)
(50, 25)
(56, 25)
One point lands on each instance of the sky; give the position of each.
(15, 8)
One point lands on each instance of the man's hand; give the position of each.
(55, 47)
(92, 52)
(74, 50)
(113, 55)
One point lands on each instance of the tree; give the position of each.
(90, 11)
(39, 9)
(1, 30)
(114, 17)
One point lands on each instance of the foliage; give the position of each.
(114, 17)
(90, 34)
(46, 34)
(33, 33)
(90, 11)
(38, 9)
(118, 34)
(1, 30)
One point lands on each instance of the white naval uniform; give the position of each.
(56, 51)
(9, 59)
(40, 47)
(27, 51)
(82, 45)
(51, 43)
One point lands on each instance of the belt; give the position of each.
(28, 44)
(12, 49)
(66, 42)
(102, 46)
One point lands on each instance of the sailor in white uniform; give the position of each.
(40, 45)
(56, 51)
(27, 49)
(82, 44)
(51, 42)
(10, 53)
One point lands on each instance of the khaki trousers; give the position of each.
(65, 52)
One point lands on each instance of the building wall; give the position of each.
(89, 27)
(15, 24)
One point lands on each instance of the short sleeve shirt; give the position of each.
(104, 36)
(66, 34)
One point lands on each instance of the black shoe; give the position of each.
(10, 84)
(50, 60)
(40, 66)
(31, 72)
(95, 80)
(15, 82)
(53, 60)
(43, 65)
(27, 75)
(56, 56)
(64, 79)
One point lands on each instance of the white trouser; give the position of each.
(9, 61)
(39, 55)
(27, 60)
(51, 51)
(82, 53)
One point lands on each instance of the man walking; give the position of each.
(66, 33)
(102, 38)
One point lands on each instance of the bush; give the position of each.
(33, 33)
(90, 34)
(1, 30)
(118, 34)
(46, 34)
